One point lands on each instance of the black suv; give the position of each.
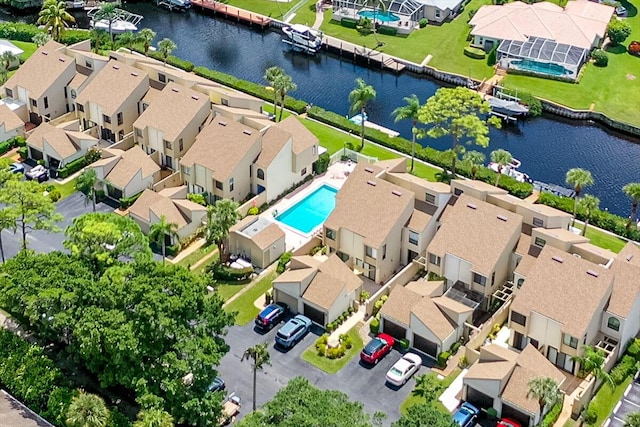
(271, 315)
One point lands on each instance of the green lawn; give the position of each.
(606, 398)
(67, 188)
(244, 306)
(306, 15)
(197, 255)
(274, 9)
(331, 366)
(413, 400)
(604, 240)
(227, 290)
(27, 47)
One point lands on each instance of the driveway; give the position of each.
(630, 402)
(361, 383)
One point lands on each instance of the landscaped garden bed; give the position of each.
(332, 359)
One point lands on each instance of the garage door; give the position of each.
(291, 301)
(516, 414)
(393, 329)
(478, 398)
(424, 345)
(314, 314)
(36, 154)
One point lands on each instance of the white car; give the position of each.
(402, 370)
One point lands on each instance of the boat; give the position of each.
(558, 190)
(511, 170)
(506, 107)
(302, 38)
(181, 5)
(123, 22)
(357, 119)
(74, 4)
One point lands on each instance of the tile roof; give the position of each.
(112, 86)
(475, 231)
(131, 162)
(369, 206)
(221, 146)
(553, 285)
(302, 137)
(172, 110)
(9, 119)
(41, 70)
(273, 141)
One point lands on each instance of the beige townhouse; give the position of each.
(126, 173)
(59, 145)
(11, 125)
(257, 240)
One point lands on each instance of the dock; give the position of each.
(232, 13)
(392, 133)
(344, 48)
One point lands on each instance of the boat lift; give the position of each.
(124, 20)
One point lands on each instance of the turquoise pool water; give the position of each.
(380, 15)
(540, 67)
(311, 211)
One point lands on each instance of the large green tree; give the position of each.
(590, 205)
(271, 74)
(578, 178)
(409, 111)
(632, 190)
(160, 231)
(546, 391)
(633, 420)
(221, 216)
(87, 410)
(424, 414)
(166, 47)
(618, 30)
(153, 418)
(259, 357)
(358, 100)
(283, 84)
(502, 158)
(54, 17)
(109, 12)
(460, 113)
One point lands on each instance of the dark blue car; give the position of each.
(271, 315)
(466, 415)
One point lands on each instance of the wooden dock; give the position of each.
(232, 13)
(363, 53)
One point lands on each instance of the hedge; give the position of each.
(388, 31)
(228, 274)
(349, 23)
(72, 167)
(552, 416)
(125, 202)
(475, 53)
(24, 32)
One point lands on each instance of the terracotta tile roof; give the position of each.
(477, 232)
(221, 146)
(41, 70)
(302, 137)
(9, 119)
(172, 110)
(131, 162)
(369, 206)
(630, 253)
(112, 86)
(273, 142)
(553, 284)
(268, 236)
(626, 287)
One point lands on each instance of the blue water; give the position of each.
(380, 15)
(311, 211)
(540, 67)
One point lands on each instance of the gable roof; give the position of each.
(131, 162)
(475, 231)
(64, 142)
(150, 201)
(626, 283)
(332, 279)
(9, 119)
(268, 236)
(273, 141)
(16, 414)
(630, 253)
(302, 137)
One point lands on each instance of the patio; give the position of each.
(401, 14)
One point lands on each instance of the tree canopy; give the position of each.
(423, 414)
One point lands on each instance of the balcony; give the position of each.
(459, 292)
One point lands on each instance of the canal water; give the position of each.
(547, 146)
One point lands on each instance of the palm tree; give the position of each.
(590, 204)
(153, 418)
(475, 159)
(159, 232)
(283, 84)
(221, 216)
(40, 38)
(358, 99)
(146, 36)
(546, 391)
(166, 46)
(87, 410)
(54, 17)
(578, 178)
(108, 12)
(89, 184)
(98, 38)
(633, 420)
(127, 39)
(592, 362)
(427, 386)
(409, 111)
(271, 75)
(502, 158)
(632, 190)
(260, 357)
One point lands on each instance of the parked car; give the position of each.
(217, 384)
(466, 415)
(402, 370)
(293, 331)
(271, 315)
(377, 349)
(16, 167)
(508, 422)
(38, 173)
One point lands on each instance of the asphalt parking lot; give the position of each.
(629, 403)
(361, 383)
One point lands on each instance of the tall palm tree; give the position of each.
(546, 391)
(474, 159)
(108, 12)
(632, 190)
(579, 178)
(271, 75)
(502, 158)
(153, 418)
(89, 184)
(590, 204)
(358, 99)
(40, 38)
(592, 362)
(409, 111)
(259, 355)
(54, 17)
(160, 230)
(221, 216)
(166, 47)
(87, 410)
(283, 84)
(146, 36)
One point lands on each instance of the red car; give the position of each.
(377, 349)
(508, 422)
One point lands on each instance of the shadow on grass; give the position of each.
(632, 11)
(615, 50)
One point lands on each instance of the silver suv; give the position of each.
(293, 331)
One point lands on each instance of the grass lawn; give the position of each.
(227, 290)
(27, 47)
(414, 400)
(197, 255)
(331, 366)
(66, 189)
(244, 306)
(306, 15)
(604, 240)
(606, 398)
(274, 9)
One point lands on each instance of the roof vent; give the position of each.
(45, 53)
(368, 170)
(247, 132)
(134, 74)
(629, 257)
(62, 60)
(175, 89)
(222, 123)
(195, 97)
(371, 183)
(396, 193)
(116, 67)
(592, 273)
(557, 259)
(472, 206)
(502, 218)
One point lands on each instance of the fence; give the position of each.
(402, 278)
(172, 180)
(256, 201)
(478, 336)
(349, 154)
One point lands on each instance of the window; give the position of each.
(219, 185)
(139, 133)
(434, 259)
(540, 242)
(169, 161)
(106, 118)
(9, 92)
(225, 101)
(520, 282)
(570, 341)
(430, 198)
(371, 252)
(613, 324)
(162, 78)
(518, 318)
(344, 257)
(413, 237)
(120, 120)
(479, 279)
(314, 150)
(331, 234)
(34, 103)
(384, 252)
(88, 64)
(260, 174)
(304, 172)
(167, 145)
(537, 222)
(73, 94)
(231, 184)
(46, 102)
(80, 107)
(186, 170)
(438, 13)
(65, 92)
(181, 144)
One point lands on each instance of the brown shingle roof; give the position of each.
(490, 370)
(150, 201)
(564, 288)
(141, 206)
(9, 119)
(562, 235)
(630, 253)
(334, 267)
(437, 187)
(57, 138)
(268, 236)
(273, 141)
(369, 210)
(295, 276)
(477, 232)
(302, 137)
(221, 146)
(418, 221)
(398, 305)
(626, 287)
(433, 318)
(323, 290)
(130, 163)
(172, 110)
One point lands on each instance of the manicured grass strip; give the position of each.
(27, 47)
(244, 306)
(66, 189)
(603, 240)
(274, 9)
(606, 399)
(196, 255)
(226, 291)
(414, 400)
(331, 366)
(306, 15)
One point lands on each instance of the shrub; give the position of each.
(225, 273)
(341, 319)
(492, 57)
(455, 347)
(331, 326)
(19, 141)
(404, 344)
(349, 23)
(71, 36)
(600, 58)
(388, 31)
(443, 358)
(590, 415)
(55, 195)
(322, 349)
(4, 147)
(350, 310)
(364, 296)
(125, 202)
(634, 349)
(423, 22)
(24, 152)
(378, 304)
(626, 367)
(283, 261)
(345, 341)
(634, 48)
(492, 413)
(550, 419)
(18, 31)
(472, 13)
(72, 167)
(322, 164)
(618, 31)
(374, 326)
(462, 362)
(474, 52)
(197, 198)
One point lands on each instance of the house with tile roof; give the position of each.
(11, 125)
(59, 145)
(171, 122)
(257, 240)
(126, 172)
(320, 289)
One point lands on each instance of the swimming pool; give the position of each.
(380, 15)
(540, 67)
(311, 211)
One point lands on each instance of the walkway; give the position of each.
(188, 251)
(319, 16)
(356, 317)
(449, 397)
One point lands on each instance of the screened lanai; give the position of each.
(407, 10)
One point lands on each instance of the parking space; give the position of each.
(629, 403)
(361, 383)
